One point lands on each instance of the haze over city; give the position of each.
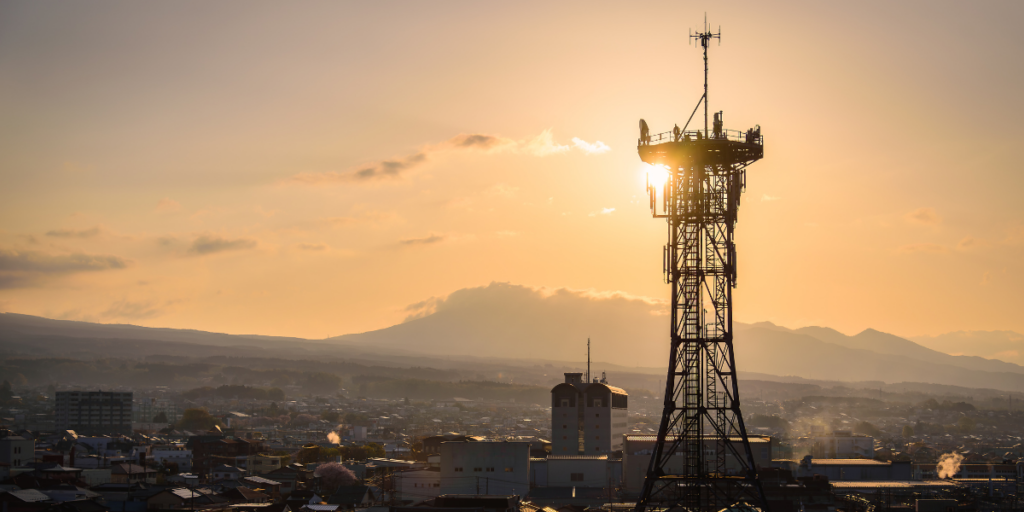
(396, 256)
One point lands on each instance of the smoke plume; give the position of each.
(949, 465)
(334, 438)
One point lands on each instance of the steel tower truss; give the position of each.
(702, 460)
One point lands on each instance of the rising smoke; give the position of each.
(949, 465)
(334, 438)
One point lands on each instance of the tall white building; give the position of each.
(587, 418)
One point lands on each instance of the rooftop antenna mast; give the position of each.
(701, 460)
(588, 360)
(705, 38)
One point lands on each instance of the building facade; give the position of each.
(16, 451)
(843, 444)
(148, 409)
(587, 418)
(209, 451)
(417, 485)
(499, 467)
(173, 454)
(94, 412)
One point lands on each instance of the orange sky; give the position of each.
(312, 170)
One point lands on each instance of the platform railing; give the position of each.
(749, 137)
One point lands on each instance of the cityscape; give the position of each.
(525, 257)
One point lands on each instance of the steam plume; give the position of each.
(949, 464)
(334, 438)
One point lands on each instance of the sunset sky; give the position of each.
(316, 168)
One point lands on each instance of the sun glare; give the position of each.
(657, 175)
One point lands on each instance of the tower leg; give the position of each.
(702, 459)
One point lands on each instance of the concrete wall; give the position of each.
(565, 420)
(578, 472)
(418, 485)
(485, 467)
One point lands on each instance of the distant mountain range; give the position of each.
(1004, 345)
(509, 322)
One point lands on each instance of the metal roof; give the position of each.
(652, 438)
(893, 484)
(29, 495)
(261, 480)
(185, 494)
(848, 462)
(577, 457)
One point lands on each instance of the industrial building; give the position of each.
(498, 467)
(839, 470)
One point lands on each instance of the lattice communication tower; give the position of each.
(702, 460)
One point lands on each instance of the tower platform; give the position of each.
(683, 149)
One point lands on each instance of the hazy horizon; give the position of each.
(321, 170)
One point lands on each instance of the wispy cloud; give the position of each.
(596, 148)
(210, 244)
(74, 233)
(504, 190)
(132, 310)
(602, 211)
(923, 248)
(313, 247)
(478, 141)
(422, 308)
(22, 268)
(432, 239)
(361, 218)
(967, 243)
(543, 144)
(167, 205)
(35, 261)
(924, 216)
(384, 169)
(766, 197)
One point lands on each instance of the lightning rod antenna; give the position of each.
(705, 38)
